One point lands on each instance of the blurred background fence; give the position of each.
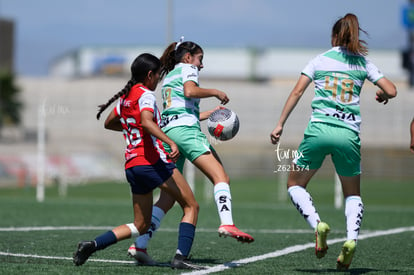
(78, 149)
(258, 56)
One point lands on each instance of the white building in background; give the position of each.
(79, 149)
(220, 63)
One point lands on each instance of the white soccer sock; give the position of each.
(157, 215)
(303, 203)
(222, 198)
(354, 210)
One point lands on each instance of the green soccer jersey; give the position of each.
(179, 110)
(338, 77)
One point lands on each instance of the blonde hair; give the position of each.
(345, 33)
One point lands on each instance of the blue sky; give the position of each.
(46, 29)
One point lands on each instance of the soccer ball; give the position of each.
(223, 124)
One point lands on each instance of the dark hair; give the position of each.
(172, 56)
(139, 70)
(345, 32)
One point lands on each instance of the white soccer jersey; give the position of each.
(178, 109)
(338, 76)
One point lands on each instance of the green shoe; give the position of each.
(321, 232)
(346, 255)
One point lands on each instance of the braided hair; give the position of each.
(139, 70)
(173, 55)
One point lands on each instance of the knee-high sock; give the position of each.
(157, 215)
(304, 204)
(104, 240)
(354, 211)
(186, 234)
(222, 197)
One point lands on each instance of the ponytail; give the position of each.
(345, 33)
(124, 91)
(174, 54)
(168, 59)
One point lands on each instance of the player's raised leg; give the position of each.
(210, 165)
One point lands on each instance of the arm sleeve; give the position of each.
(190, 73)
(147, 102)
(309, 70)
(374, 74)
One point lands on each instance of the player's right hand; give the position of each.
(275, 135)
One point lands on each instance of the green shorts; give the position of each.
(322, 139)
(191, 142)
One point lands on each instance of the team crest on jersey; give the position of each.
(126, 103)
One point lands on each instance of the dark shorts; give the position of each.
(145, 178)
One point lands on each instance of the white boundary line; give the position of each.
(61, 258)
(293, 249)
(217, 268)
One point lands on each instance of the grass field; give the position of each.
(39, 238)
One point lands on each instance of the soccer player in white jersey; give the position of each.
(181, 117)
(338, 75)
(147, 164)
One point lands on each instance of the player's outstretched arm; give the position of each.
(192, 90)
(204, 115)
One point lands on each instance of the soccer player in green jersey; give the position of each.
(338, 75)
(181, 117)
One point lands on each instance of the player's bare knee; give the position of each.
(195, 206)
(192, 208)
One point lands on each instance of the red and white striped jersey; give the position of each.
(142, 148)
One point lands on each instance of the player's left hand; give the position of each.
(380, 97)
